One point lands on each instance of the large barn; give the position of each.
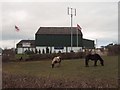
(55, 39)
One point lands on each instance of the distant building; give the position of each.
(0, 51)
(24, 45)
(88, 44)
(8, 52)
(56, 39)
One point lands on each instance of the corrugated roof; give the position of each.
(57, 30)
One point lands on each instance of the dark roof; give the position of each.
(27, 41)
(57, 30)
(20, 44)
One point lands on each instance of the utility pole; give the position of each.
(71, 12)
(96, 43)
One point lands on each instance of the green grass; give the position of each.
(24, 56)
(69, 69)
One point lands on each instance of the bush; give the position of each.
(71, 55)
(113, 49)
(5, 58)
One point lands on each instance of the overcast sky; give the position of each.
(99, 20)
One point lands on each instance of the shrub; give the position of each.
(71, 55)
(5, 58)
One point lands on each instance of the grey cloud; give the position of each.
(100, 18)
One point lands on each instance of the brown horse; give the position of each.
(95, 58)
(56, 60)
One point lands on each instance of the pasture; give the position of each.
(71, 74)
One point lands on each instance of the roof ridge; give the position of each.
(57, 30)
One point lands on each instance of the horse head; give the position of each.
(59, 57)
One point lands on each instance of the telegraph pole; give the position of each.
(71, 12)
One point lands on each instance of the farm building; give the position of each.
(55, 39)
(24, 45)
(59, 39)
(88, 44)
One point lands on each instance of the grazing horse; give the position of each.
(56, 60)
(95, 58)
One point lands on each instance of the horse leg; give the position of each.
(59, 64)
(52, 65)
(86, 63)
(102, 62)
(95, 63)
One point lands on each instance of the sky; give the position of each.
(98, 20)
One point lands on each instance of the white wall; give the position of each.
(19, 51)
(75, 49)
(22, 50)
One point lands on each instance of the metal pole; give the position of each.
(77, 38)
(96, 43)
(71, 31)
(14, 39)
(71, 13)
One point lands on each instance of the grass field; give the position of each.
(71, 74)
